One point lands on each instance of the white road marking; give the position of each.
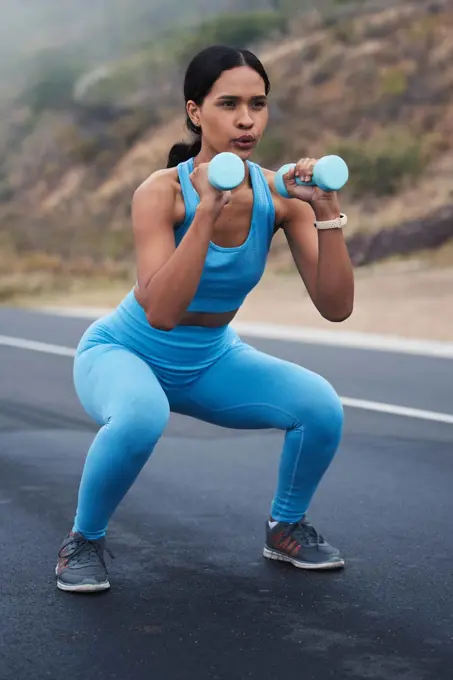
(316, 336)
(34, 346)
(390, 409)
(355, 340)
(394, 410)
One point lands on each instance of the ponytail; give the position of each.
(181, 152)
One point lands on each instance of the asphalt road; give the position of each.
(192, 597)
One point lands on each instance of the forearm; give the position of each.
(172, 288)
(321, 255)
(335, 276)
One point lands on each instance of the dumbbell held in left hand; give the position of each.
(330, 173)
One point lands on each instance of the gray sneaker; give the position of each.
(81, 566)
(301, 545)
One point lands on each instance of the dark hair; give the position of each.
(201, 74)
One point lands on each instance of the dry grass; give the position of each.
(394, 299)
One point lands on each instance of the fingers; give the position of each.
(304, 169)
(199, 170)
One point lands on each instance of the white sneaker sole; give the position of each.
(337, 563)
(85, 588)
(82, 588)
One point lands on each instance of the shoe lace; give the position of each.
(305, 533)
(83, 549)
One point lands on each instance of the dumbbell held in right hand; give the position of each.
(330, 173)
(226, 171)
(214, 181)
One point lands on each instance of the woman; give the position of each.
(169, 346)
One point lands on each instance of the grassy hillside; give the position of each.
(372, 82)
(90, 33)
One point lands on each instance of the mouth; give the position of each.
(244, 142)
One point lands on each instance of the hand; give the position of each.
(325, 204)
(209, 196)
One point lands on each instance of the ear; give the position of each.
(193, 111)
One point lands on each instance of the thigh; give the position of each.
(112, 382)
(249, 389)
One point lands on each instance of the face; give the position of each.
(234, 115)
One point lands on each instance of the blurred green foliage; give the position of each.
(379, 165)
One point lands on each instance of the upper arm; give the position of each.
(153, 218)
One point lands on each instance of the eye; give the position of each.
(259, 104)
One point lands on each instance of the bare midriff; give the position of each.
(208, 319)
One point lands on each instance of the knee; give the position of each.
(331, 413)
(322, 411)
(140, 425)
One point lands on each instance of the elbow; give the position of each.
(337, 318)
(160, 322)
(337, 315)
(162, 326)
(157, 318)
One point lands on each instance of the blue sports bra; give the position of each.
(229, 274)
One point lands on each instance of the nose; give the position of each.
(245, 121)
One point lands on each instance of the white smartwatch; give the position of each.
(337, 223)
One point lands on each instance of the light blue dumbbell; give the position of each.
(226, 171)
(330, 173)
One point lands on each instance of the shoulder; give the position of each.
(163, 187)
(287, 210)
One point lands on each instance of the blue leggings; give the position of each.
(243, 388)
